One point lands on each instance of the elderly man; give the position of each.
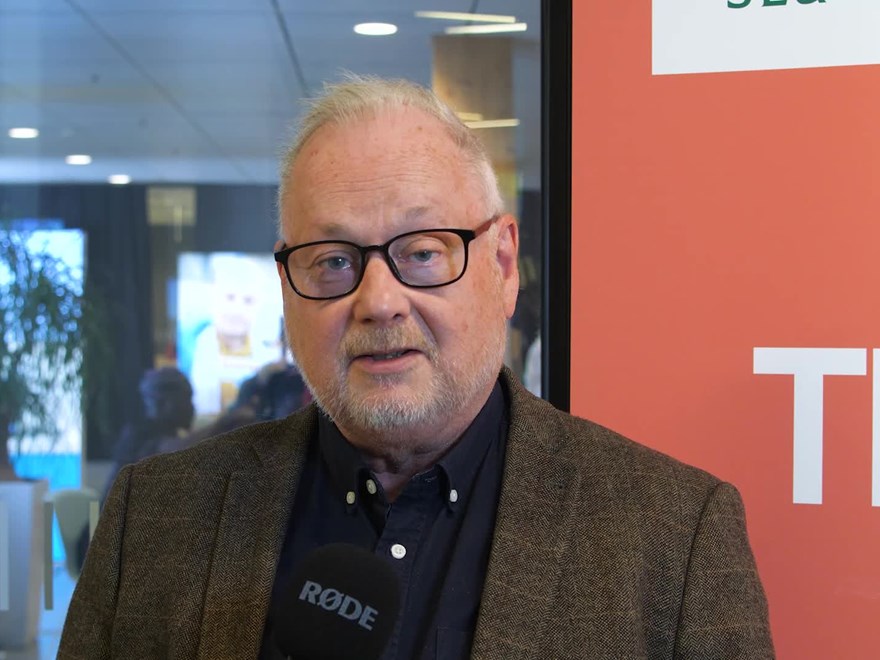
(517, 531)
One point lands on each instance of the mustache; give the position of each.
(386, 340)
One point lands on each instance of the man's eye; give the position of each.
(423, 251)
(423, 256)
(334, 263)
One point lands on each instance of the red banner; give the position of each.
(719, 222)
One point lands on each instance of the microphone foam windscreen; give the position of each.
(342, 603)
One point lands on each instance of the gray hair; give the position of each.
(362, 96)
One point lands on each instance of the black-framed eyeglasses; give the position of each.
(423, 259)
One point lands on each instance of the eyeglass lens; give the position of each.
(334, 269)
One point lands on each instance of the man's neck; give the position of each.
(395, 473)
(397, 455)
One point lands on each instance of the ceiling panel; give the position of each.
(195, 36)
(201, 90)
(36, 41)
(136, 7)
(33, 6)
(355, 7)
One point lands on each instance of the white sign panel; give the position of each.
(706, 36)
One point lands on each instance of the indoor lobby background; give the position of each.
(150, 172)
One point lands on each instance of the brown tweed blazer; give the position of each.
(602, 549)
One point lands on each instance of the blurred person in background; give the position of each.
(275, 391)
(167, 398)
(167, 401)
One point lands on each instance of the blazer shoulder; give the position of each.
(585, 438)
(542, 435)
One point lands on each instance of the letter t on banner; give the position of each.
(809, 366)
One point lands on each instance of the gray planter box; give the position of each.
(23, 573)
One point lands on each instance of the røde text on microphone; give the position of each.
(344, 605)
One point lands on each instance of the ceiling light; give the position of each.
(375, 29)
(78, 159)
(119, 179)
(493, 123)
(464, 16)
(469, 116)
(486, 29)
(23, 133)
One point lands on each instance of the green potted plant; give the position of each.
(42, 342)
(48, 328)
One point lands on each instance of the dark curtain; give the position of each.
(234, 218)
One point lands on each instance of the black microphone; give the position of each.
(342, 603)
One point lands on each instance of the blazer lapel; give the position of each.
(531, 532)
(253, 522)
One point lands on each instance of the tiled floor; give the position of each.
(51, 622)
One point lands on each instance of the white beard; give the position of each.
(395, 415)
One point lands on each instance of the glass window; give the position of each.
(139, 144)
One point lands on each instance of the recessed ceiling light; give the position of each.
(464, 16)
(493, 123)
(23, 133)
(375, 29)
(78, 159)
(119, 179)
(487, 29)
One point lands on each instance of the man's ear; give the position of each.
(507, 253)
(279, 245)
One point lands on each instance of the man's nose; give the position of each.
(380, 297)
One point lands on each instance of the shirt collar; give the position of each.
(458, 468)
(344, 463)
(461, 464)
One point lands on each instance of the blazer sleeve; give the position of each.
(89, 622)
(724, 609)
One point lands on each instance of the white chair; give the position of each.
(72, 506)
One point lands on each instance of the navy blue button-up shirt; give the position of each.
(436, 535)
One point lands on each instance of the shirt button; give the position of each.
(453, 496)
(371, 487)
(398, 551)
(349, 497)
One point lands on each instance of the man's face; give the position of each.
(397, 368)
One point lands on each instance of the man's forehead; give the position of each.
(367, 228)
(408, 215)
(379, 175)
(376, 134)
